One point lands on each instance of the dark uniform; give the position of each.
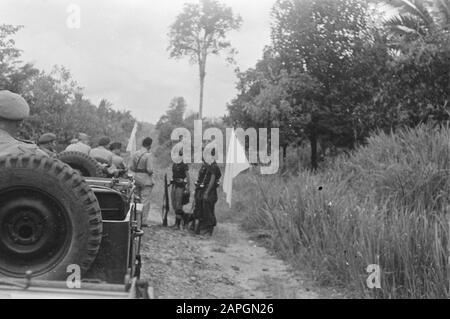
(179, 182)
(204, 208)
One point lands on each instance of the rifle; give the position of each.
(165, 206)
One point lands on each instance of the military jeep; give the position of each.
(54, 221)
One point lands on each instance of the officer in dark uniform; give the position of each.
(180, 186)
(206, 197)
(47, 143)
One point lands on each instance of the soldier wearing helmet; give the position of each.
(13, 110)
(47, 143)
(82, 145)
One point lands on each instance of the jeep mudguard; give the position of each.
(49, 218)
(86, 165)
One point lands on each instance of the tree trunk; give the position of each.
(284, 152)
(313, 141)
(200, 109)
(202, 67)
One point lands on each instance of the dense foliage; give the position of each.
(334, 73)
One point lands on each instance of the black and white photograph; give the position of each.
(226, 155)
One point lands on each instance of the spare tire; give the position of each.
(84, 164)
(49, 218)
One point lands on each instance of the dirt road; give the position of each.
(228, 265)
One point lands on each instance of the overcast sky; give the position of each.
(119, 53)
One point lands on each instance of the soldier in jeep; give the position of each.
(13, 110)
(82, 145)
(101, 153)
(49, 217)
(53, 219)
(47, 143)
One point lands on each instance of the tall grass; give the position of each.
(385, 204)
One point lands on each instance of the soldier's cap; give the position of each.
(13, 107)
(104, 141)
(47, 138)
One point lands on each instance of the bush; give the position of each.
(384, 204)
(297, 158)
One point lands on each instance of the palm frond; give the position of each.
(416, 8)
(443, 10)
(404, 24)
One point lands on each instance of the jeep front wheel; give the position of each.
(49, 218)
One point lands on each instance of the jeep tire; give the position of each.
(49, 219)
(84, 164)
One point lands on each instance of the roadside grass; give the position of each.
(386, 204)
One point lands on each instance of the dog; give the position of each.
(188, 221)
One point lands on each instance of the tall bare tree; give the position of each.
(200, 30)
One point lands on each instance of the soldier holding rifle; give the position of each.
(180, 189)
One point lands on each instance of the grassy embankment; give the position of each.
(386, 204)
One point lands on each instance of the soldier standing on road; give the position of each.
(81, 146)
(180, 185)
(101, 154)
(13, 110)
(206, 197)
(47, 143)
(141, 166)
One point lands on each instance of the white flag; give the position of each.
(132, 147)
(235, 164)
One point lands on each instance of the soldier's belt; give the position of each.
(202, 186)
(179, 182)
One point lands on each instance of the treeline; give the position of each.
(57, 103)
(337, 70)
(177, 116)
